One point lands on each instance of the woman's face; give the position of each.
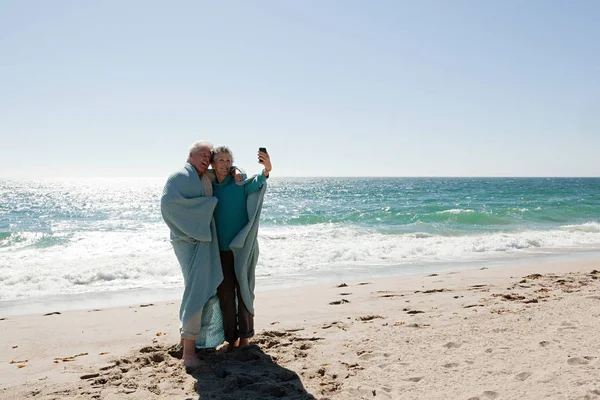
(222, 165)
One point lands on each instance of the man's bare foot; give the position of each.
(244, 342)
(191, 361)
(235, 344)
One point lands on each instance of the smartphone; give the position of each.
(264, 150)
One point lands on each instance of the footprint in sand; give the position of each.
(370, 356)
(366, 392)
(393, 365)
(577, 361)
(490, 395)
(352, 367)
(384, 392)
(566, 326)
(337, 324)
(452, 345)
(383, 395)
(304, 346)
(450, 365)
(415, 379)
(246, 373)
(523, 376)
(486, 395)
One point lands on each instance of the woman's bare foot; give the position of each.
(244, 342)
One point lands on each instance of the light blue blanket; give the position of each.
(189, 215)
(245, 247)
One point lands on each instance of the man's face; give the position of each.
(222, 164)
(201, 159)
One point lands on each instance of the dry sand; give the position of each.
(523, 332)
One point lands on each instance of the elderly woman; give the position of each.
(236, 218)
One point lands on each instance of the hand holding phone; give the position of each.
(265, 160)
(261, 149)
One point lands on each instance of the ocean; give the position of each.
(90, 238)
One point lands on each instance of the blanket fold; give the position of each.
(245, 247)
(189, 215)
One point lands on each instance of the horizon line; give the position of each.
(333, 176)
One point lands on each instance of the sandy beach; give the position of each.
(522, 332)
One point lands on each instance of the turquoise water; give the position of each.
(441, 206)
(95, 235)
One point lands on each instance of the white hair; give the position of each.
(196, 146)
(222, 149)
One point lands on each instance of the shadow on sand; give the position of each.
(246, 373)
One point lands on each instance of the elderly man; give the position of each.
(187, 206)
(236, 216)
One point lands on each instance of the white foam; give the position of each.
(90, 261)
(455, 211)
(101, 261)
(592, 227)
(334, 248)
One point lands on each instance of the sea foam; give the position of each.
(95, 261)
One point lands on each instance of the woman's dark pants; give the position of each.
(237, 321)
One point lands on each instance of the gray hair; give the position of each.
(222, 149)
(196, 146)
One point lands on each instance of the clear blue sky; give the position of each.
(331, 88)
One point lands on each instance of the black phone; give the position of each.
(264, 150)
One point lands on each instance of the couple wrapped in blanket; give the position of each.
(213, 218)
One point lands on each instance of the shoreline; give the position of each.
(139, 295)
(478, 333)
